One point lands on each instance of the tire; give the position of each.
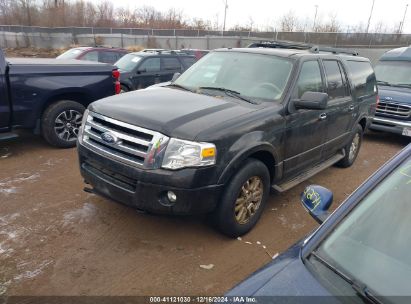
(124, 89)
(355, 143)
(231, 222)
(60, 123)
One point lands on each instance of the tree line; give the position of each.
(84, 13)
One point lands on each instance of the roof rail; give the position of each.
(164, 51)
(300, 46)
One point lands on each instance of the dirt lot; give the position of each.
(56, 239)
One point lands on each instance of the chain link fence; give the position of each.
(62, 37)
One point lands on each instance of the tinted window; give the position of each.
(363, 77)
(188, 61)
(309, 79)
(335, 85)
(171, 64)
(150, 65)
(91, 56)
(108, 57)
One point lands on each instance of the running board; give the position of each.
(6, 136)
(307, 174)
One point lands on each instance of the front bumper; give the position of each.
(389, 125)
(147, 189)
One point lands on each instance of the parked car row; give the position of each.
(230, 128)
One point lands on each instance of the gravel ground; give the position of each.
(56, 239)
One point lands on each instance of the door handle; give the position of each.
(157, 75)
(322, 116)
(351, 108)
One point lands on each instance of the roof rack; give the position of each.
(300, 46)
(164, 51)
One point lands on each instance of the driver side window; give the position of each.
(309, 79)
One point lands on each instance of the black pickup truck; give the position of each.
(234, 125)
(49, 96)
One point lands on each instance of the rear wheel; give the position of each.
(243, 199)
(61, 122)
(352, 149)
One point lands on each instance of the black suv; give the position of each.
(237, 123)
(142, 69)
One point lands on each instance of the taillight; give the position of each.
(117, 86)
(116, 74)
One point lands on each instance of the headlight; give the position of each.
(81, 130)
(181, 153)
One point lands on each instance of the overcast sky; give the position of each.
(266, 12)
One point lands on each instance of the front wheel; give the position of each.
(243, 199)
(61, 122)
(352, 149)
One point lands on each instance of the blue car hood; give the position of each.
(284, 276)
(398, 94)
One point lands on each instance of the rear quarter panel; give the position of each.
(33, 87)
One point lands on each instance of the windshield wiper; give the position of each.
(383, 82)
(179, 86)
(358, 286)
(406, 85)
(229, 92)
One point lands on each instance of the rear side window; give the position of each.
(90, 56)
(309, 79)
(335, 80)
(363, 78)
(171, 64)
(188, 61)
(108, 57)
(151, 65)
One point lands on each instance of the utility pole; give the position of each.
(315, 16)
(369, 19)
(403, 20)
(225, 15)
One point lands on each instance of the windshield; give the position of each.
(128, 62)
(70, 54)
(254, 76)
(394, 72)
(372, 244)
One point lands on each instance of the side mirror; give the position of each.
(139, 71)
(317, 200)
(175, 76)
(312, 101)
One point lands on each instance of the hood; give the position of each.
(284, 276)
(397, 94)
(172, 112)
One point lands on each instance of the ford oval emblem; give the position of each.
(109, 138)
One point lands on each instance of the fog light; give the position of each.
(172, 197)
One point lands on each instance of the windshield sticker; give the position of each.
(313, 196)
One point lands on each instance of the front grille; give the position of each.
(131, 144)
(393, 109)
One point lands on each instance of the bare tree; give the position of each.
(289, 22)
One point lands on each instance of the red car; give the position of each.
(100, 54)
